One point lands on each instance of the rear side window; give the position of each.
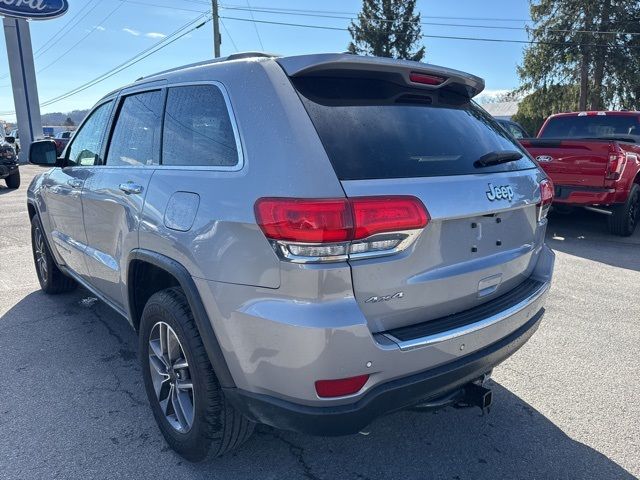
(591, 126)
(87, 144)
(136, 137)
(387, 133)
(198, 129)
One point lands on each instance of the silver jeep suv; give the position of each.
(306, 242)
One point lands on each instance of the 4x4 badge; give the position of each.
(385, 298)
(504, 192)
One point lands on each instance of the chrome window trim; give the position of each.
(234, 125)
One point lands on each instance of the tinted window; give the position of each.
(87, 143)
(197, 128)
(407, 134)
(136, 136)
(591, 126)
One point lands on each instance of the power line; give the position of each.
(173, 37)
(255, 26)
(235, 47)
(83, 38)
(322, 14)
(170, 7)
(445, 37)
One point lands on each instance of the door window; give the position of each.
(198, 129)
(87, 143)
(136, 137)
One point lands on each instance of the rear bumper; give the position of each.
(580, 195)
(385, 398)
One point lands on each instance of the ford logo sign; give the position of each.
(544, 159)
(33, 9)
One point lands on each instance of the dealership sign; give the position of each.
(33, 9)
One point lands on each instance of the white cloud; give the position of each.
(131, 31)
(491, 96)
(100, 28)
(155, 35)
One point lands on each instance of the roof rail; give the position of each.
(233, 56)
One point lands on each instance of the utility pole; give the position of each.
(217, 40)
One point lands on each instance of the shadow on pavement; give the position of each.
(585, 234)
(73, 405)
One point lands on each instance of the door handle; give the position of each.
(130, 188)
(75, 183)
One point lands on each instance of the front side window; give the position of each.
(87, 143)
(197, 128)
(136, 137)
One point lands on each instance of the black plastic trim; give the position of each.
(386, 398)
(209, 338)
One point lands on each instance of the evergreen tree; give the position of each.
(69, 122)
(387, 28)
(567, 52)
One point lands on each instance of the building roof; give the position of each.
(501, 109)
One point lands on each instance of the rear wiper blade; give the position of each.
(496, 158)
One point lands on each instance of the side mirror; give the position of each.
(44, 153)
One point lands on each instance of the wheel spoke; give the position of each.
(158, 354)
(184, 385)
(183, 409)
(166, 403)
(180, 364)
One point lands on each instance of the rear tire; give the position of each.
(13, 180)
(51, 278)
(202, 423)
(624, 218)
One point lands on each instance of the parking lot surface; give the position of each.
(567, 405)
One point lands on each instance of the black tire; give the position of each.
(216, 426)
(13, 180)
(624, 218)
(51, 278)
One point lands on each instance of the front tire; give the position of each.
(13, 180)
(624, 218)
(51, 278)
(185, 396)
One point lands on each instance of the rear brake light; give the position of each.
(546, 195)
(340, 387)
(306, 230)
(615, 166)
(426, 79)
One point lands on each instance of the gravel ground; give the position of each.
(72, 404)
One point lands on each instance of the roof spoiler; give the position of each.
(413, 74)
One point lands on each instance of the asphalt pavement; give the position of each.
(567, 405)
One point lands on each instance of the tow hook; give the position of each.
(477, 396)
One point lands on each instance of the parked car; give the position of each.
(15, 135)
(306, 242)
(61, 140)
(514, 128)
(593, 158)
(9, 169)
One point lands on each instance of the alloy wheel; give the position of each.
(41, 255)
(171, 377)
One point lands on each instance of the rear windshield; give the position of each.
(591, 126)
(378, 130)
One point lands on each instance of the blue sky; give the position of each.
(116, 30)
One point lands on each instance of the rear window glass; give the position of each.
(387, 132)
(591, 126)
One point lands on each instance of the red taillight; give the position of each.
(426, 79)
(305, 221)
(374, 215)
(311, 230)
(340, 387)
(546, 194)
(615, 166)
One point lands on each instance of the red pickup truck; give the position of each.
(593, 159)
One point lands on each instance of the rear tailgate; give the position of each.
(572, 162)
(386, 138)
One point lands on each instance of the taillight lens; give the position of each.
(426, 79)
(305, 230)
(546, 194)
(615, 166)
(340, 387)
